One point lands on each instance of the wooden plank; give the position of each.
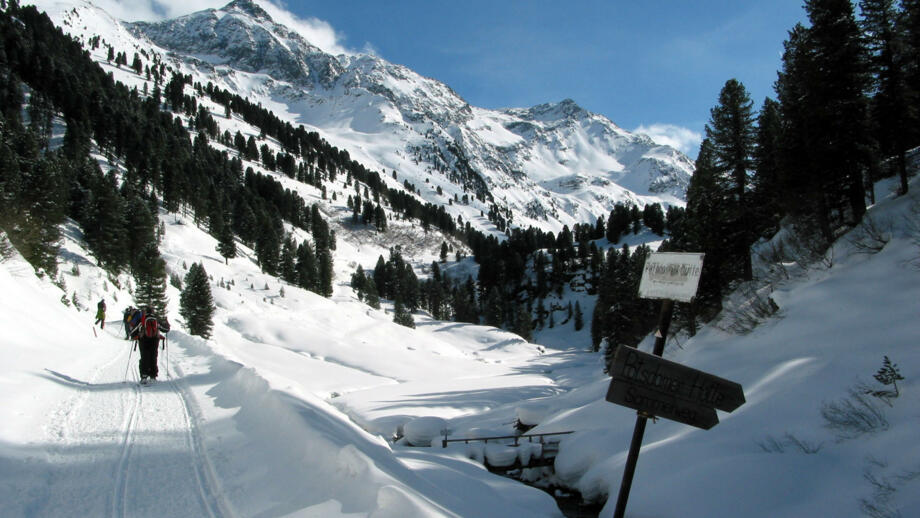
(676, 380)
(639, 397)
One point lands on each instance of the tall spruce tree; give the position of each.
(325, 273)
(41, 212)
(908, 28)
(579, 317)
(766, 194)
(703, 227)
(150, 278)
(401, 314)
(822, 89)
(226, 245)
(307, 276)
(731, 135)
(133, 229)
(371, 297)
(523, 325)
(890, 109)
(800, 193)
(195, 303)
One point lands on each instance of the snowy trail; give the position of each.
(120, 449)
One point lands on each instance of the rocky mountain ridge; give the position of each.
(549, 165)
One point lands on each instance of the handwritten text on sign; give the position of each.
(650, 383)
(671, 275)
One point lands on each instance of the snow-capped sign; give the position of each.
(671, 275)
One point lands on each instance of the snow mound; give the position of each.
(422, 430)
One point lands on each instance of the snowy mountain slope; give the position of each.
(236, 426)
(290, 396)
(550, 165)
(263, 418)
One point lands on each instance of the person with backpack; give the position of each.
(100, 314)
(126, 319)
(148, 338)
(134, 322)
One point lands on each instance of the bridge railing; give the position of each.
(517, 438)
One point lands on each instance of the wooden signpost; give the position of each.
(656, 387)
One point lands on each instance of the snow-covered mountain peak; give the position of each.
(564, 110)
(242, 36)
(549, 165)
(247, 7)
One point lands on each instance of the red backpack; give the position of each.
(151, 328)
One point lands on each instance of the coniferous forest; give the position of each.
(845, 115)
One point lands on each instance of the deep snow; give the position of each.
(289, 409)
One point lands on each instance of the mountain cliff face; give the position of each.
(550, 165)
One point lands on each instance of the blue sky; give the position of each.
(655, 66)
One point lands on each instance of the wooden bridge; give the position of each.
(546, 456)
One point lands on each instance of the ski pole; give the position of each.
(128, 366)
(163, 348)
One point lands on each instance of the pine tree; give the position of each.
(226, 245)
(41, 210)
(371, 297)
(382, 277)
(325, 274)
(195, 303)
(268, 246)
(766, 194)
(702, 227)
(150, 278)
(493, 311)
(103, 222)
(306, 268)
(523, 325)
(908, 29)
(288, 259)
(579, 317)
(401, 314)
(541, 314)
(823, 82)
(463, 302)
(359, 282)
(133, 229)
(888, 56)
(731, 135)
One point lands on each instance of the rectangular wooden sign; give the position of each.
(675, 380)
(636, 396)
(671, 275)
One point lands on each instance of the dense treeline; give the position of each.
(162, 163)
(504, 294)
(844, 117)
(522, 278)
(319, 161)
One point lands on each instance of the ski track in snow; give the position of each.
(132, 450)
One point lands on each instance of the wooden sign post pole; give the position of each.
(664, 324)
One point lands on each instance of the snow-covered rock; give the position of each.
(422, 430)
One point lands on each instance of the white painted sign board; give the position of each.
(671, 275)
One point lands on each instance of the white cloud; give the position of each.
(678, 137)
(316, 31)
